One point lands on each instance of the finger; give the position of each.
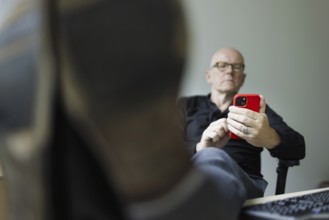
(215, 138)
(243, 111)
(218, 125)
(219, 122)
(241, 119)
(222, 132)
(241, 127)
(222, 127)
(262, 106)
(236, 131)
(210, 135)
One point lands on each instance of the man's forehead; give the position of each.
(227, 55)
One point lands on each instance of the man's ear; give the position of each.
(244, 78)
(208, 77)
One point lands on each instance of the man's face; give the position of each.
(224, 77)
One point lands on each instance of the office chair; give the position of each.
(282, 171)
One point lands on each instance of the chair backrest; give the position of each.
(282, 171)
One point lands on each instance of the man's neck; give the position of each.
(222, 100)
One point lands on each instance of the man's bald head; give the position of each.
(227, 51)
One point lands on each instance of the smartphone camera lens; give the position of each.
(241, 101)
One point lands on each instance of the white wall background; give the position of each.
(285, 44)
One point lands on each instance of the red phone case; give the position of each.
(252, 103)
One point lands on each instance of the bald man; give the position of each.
(209, 119)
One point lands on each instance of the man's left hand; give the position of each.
(253, 126)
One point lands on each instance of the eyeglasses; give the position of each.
(236, 67)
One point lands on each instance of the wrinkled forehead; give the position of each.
(227, 55)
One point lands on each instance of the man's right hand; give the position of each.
(216, 135)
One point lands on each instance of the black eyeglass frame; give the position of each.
(237, 67)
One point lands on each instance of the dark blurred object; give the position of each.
(282, 171)
(324, 184)
(52, 170)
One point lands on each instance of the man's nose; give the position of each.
(229, 68)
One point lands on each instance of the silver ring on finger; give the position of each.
(245, 130)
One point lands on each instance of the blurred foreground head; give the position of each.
(120, 65)
(116, 56)
(114, 67)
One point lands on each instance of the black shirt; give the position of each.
(197, 112)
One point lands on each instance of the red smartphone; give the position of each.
(249, 101)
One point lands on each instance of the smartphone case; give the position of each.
(252, 103)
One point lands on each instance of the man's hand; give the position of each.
(253, 126)
(216, 135)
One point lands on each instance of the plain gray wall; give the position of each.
(285, 44)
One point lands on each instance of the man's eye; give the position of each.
(222, 65)
(237, 66)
